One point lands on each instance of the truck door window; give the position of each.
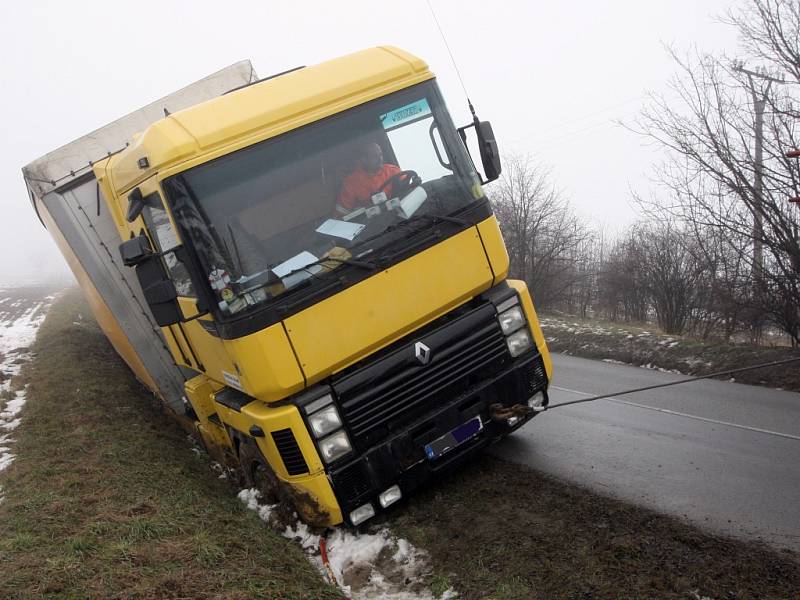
(409, 131)
(165, 239)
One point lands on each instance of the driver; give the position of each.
(368, 179)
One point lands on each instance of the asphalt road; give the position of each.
(726, 458)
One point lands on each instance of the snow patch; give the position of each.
(368, 565)
(653, 367)
(614, 361)
(15, 337)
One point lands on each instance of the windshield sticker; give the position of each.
(341, 229)
(409, 112)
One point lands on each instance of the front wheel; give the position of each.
(258, 474)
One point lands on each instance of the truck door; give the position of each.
(164, 238)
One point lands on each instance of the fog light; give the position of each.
(390, 496)
(512, 421)
(361, 514)
(536, 401)
(519, 342)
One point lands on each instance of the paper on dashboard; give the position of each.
(298, 261)
(341, 229)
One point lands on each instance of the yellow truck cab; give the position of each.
(341, 339)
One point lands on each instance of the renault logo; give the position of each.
(422, 352)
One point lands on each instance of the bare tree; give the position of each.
(621, 289)
(673, 273)
(768, 32)
(727, 175)
(543, 235)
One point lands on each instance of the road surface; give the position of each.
(727, 457)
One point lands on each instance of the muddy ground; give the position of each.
(498, 530)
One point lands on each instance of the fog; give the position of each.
(551, 77)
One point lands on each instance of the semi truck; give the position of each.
(339, 354)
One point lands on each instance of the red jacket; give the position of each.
(359, 186)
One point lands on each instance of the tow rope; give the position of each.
(776, 363)
(323, 552)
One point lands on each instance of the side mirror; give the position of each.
(135, 251)
(490, 155)
(159, 291)
(136, 204)
(487, 147)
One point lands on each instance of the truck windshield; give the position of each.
(343, 193)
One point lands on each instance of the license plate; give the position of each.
(458, 436)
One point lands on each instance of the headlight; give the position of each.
(324, 421)
(334, 446)
(519, 342)
(511, 320)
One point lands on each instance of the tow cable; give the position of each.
(323, 552)
(499, 412)
(776, 363)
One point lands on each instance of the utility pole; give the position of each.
(759, 94)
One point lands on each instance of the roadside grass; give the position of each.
(498, 530)
(646, 346)
(106, 498)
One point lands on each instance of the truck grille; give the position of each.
(398, 388)
(352, 483)
(536, 376)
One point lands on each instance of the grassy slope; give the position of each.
(106, 498)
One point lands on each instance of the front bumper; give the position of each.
(400, 458)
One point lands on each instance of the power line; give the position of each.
(585, 116)
(562, 124)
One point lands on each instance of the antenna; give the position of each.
(452, 59)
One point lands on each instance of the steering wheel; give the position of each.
(402, 183)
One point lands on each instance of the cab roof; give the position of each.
(263, 110)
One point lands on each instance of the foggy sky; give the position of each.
(551, 77)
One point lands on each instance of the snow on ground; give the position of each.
(372, 565)
(19, 321)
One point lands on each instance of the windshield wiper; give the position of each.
(411, 220)
(346, 261)
(434, 219)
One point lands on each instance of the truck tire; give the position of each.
(257, 473)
